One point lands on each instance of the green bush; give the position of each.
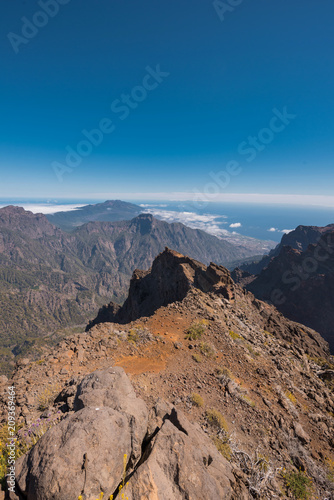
(196, 330)
(207, 350)
(299, 484)
(223, 447)
(197, 358)
(216, 419)
(197, 400)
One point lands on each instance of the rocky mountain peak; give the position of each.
(303, 236)
(18, 219)
(169, 280)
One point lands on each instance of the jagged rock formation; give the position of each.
(170, 278)
(166, 456)
(299, 239)
(300, 282)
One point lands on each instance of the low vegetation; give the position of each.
(196, 357)
(247, 400)
(139, 335)
(47, 396)
(223, 447)
(197, 400)
(196, 330)
(291, 397)
(26, 438)
(234, 336)
(216, 419)
(299, 484)
(207, 350)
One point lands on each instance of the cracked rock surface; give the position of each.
(166, 456)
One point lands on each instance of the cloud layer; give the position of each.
(47, 209)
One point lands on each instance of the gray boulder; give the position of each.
(84, 453)
(166, 457)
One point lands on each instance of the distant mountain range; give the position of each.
(116, 210)
(50, 278)
(298, 278)
(109, 211)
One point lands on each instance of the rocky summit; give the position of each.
(193, 389)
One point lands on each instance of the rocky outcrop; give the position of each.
(22, 221)
(301, 284)
(298, 239)
(173, 276)
(109, 441)
(169, 280)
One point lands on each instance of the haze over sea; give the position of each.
(265, 222)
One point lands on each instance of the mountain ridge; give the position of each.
(215, 385)
(50, 278)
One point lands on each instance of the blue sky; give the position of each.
(224, 81)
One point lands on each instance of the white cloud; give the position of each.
(275, 230)
(205, 222)
(46, 209)
(235, 224)
(150, 205)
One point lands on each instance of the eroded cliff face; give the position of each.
(300, 283)
(225, 394)
(170, 278)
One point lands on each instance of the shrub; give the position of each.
(207, 350)
(197, 400)
(223, 371)
(299, 484)
(234, 335)
(291, 397)
(252, 350)
(133, 336)
(196, 330)
(216, 419)
(139, 335)
(224, 375)
(248, 401)
(329, 463)
(47, 396)
(197, 358)
(223, 447)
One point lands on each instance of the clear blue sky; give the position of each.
(225, 78)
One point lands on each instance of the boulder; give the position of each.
(111, 440)
(180, 462)
(84, 453)
(301, 434)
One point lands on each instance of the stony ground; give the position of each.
(268, 377)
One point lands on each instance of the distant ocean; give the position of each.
(264, 222)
